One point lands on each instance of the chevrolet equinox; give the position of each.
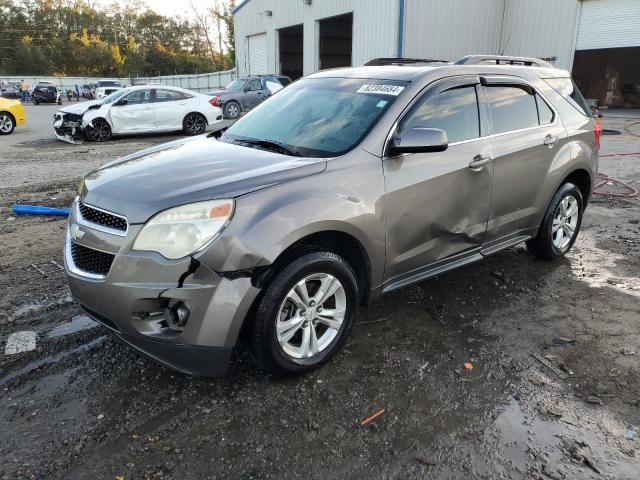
(346, 184)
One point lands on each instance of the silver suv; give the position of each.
(345, 185)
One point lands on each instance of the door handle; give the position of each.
(479, 162)
(550, 140)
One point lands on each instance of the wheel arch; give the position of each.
(582, 179)
(8, 112)
(191, 112)
(339, 242)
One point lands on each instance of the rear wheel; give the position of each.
(99, 132)
(305, 314)
(560, 225)
(194, 124)
(232, 110)
(7, 123)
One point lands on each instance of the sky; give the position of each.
(175, 7)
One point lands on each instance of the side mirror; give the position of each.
(122, 102)
(419, 140)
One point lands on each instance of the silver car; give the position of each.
(348, 184)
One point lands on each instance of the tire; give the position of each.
(560, 226)
(7, 123)
(194, 124)
(100, 132)
(276, 348)
(36, 102)
(232, 110)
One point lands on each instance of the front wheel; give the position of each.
(232, 110)
(560, 225)
(305, 314)
(99, 132)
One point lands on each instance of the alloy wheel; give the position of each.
(311, 315)
(195, 124)
(565, 222)
(6, 123)
(232, 110)
(100, 132)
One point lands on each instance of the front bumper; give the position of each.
(134, 298)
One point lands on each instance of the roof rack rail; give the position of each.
(503, 60)
(400, 61)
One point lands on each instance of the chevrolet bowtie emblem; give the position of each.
(76, 233)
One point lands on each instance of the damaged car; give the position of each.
(348, 184)
(139, 109)
(46, 92)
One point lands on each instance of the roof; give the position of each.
(237, 8)
(386, 72)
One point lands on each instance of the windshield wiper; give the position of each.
(272, 145)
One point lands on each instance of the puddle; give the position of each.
(22, 310)
(77, 324)
(51, 359)
(42, 387)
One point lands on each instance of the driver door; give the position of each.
(437, 204)
(253, 94)
(134, 115)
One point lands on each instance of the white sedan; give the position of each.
(148, 108)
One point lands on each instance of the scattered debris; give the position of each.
(424, 462)
(19, 342)
(437, 313)
(628, 351)
(35, 267)
(631, 433)
(468, 365)
(593, 399)
(562, 341)
(39, 210)
(550, 366)
(53, 262)
(371, 418)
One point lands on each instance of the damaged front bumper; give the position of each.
(69, 127)
(180, 313)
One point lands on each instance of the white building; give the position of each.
(598, 39)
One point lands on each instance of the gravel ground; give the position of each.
(84, 406)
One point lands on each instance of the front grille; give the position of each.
(105, 219)
(90, 260)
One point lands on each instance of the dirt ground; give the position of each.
(84, 406)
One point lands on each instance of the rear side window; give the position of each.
(167, 96)
(545, 114)
(512, 108)
(569, 91)
(455, 111)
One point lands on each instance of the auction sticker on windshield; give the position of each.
(381, 89)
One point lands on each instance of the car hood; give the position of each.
(80, 108)
(188, 170)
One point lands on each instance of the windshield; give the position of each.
(109, 83)
(115, 96)
(319, 117)
(235, 86)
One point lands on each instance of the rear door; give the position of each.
(437, 204)
(526, 136)
(170, 108)
(136, 115)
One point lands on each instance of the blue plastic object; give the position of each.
(38, 210)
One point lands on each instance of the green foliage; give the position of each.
(75, 37)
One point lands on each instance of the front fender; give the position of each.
(346, 198)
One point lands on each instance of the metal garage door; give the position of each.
(609, 24)
(257, 54)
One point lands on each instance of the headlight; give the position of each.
(181, 231)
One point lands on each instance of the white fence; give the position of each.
(199, 83)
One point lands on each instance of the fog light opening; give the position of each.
(177, 315)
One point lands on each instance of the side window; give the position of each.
(512, 108)
(138, 97)
(254, 85)
(167, 96)
(455, 111)
(545, 114)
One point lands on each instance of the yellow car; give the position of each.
(11, 115)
